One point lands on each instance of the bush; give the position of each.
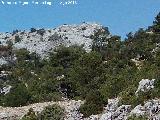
(14, 32)
(86, 73)
(18, 96)
(10, 44)
(41, 31)
(137, 118)
(55, 37)
(112, 86)
(30, 115)
(22, 54)
(128, 97)
(66, 56)
(156, 24)
(17, 39)
(33, 30)
(53, 112)
(94, 104)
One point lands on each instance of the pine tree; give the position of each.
(156, 24)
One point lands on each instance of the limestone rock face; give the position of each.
(145, 85)
(2, 61)
(151, 109)
(138, 110)
(113, 112)
(112, 104)
(42, 41)
(5, 89)
(72, 109)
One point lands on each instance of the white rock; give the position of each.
(119, 114)
(92, 117)
(138, 111)
(145, 85)
(64, 35)
(60, 77)
(3, 116)
(113, 112)
(151, 109)
(2, 61)
(106, 116)
(5, 89)
(112, 104)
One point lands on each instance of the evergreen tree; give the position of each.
(156, 24)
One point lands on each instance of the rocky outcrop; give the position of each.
(120, 114)
(5, 89)
(145, 85)
(42, 41)
(114, 112)
(72, 109)
(151, 109)
(2, 61)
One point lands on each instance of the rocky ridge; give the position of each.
(42, 41)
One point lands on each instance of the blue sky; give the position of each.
(121, 16)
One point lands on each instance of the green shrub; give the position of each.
(22, 54)
(30, 115)
(66, 56)
(137, 118)
(41, 31)
(17, 39)
(156, 24)
(112, 86)
(128, 97)
(94, 104)
(86, 73)
(18, 96)
(53, 112)
(33, 30)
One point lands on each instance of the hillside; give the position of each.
(97, 75)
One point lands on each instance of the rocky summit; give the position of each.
(42, 41)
